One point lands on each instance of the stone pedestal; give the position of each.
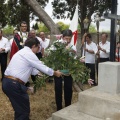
(109, 77)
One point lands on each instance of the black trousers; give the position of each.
(67, 91)
(39, 55)
(18, 97)
(92, 72)
(3, 62)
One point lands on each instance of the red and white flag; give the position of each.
(73, 26)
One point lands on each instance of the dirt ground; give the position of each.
(42, 104)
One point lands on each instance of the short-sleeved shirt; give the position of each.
(90, 58)
(105, 46)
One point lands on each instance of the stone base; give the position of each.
(99, 104)
(49, 118)
(71, 113)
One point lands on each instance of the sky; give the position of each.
(104, 25)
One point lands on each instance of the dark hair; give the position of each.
(118, 42)
(67, 33)
(105, 34)
(89, 35)
(23, 22)
(32, 41)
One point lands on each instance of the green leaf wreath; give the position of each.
(62, 58)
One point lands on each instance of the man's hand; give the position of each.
(2, 50)
(30, 90)
(90, 82)
(57, 73)
(99, 48)
(85, 35)
(98, 53)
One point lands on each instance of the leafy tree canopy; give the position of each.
(66, 8)
(3, 10)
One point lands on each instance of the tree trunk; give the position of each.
(44, 17)
(76, 87)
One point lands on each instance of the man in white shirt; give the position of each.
(4, 48)
(32, 33)
(44, 41)
(19, 39)
(22, 65)
(103, 50)
(90, 49)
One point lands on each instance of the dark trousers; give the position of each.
(18, 97)
(3, 62)
(92, 71)
(39, 55)
(67, 91)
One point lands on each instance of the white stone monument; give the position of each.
(98, 103)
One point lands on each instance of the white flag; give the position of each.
(73, 27)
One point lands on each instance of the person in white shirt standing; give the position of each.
(22, 65)
(32, 33)
(4, 48)
(90, 49)
(45, 42)
(103, 49)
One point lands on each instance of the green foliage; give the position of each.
(62, 58)
(66, 9)
(8, 30)
(92, 29)
(15, 11)
(43, 28)
(62, 26)
(3, 13)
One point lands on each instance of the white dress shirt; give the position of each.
(24, 63)
(105, 46)
(90, 58)
(4, 43)
(41, 45)
(45, 43)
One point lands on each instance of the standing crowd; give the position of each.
(25, 51)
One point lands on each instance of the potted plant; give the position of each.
(64, 59)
